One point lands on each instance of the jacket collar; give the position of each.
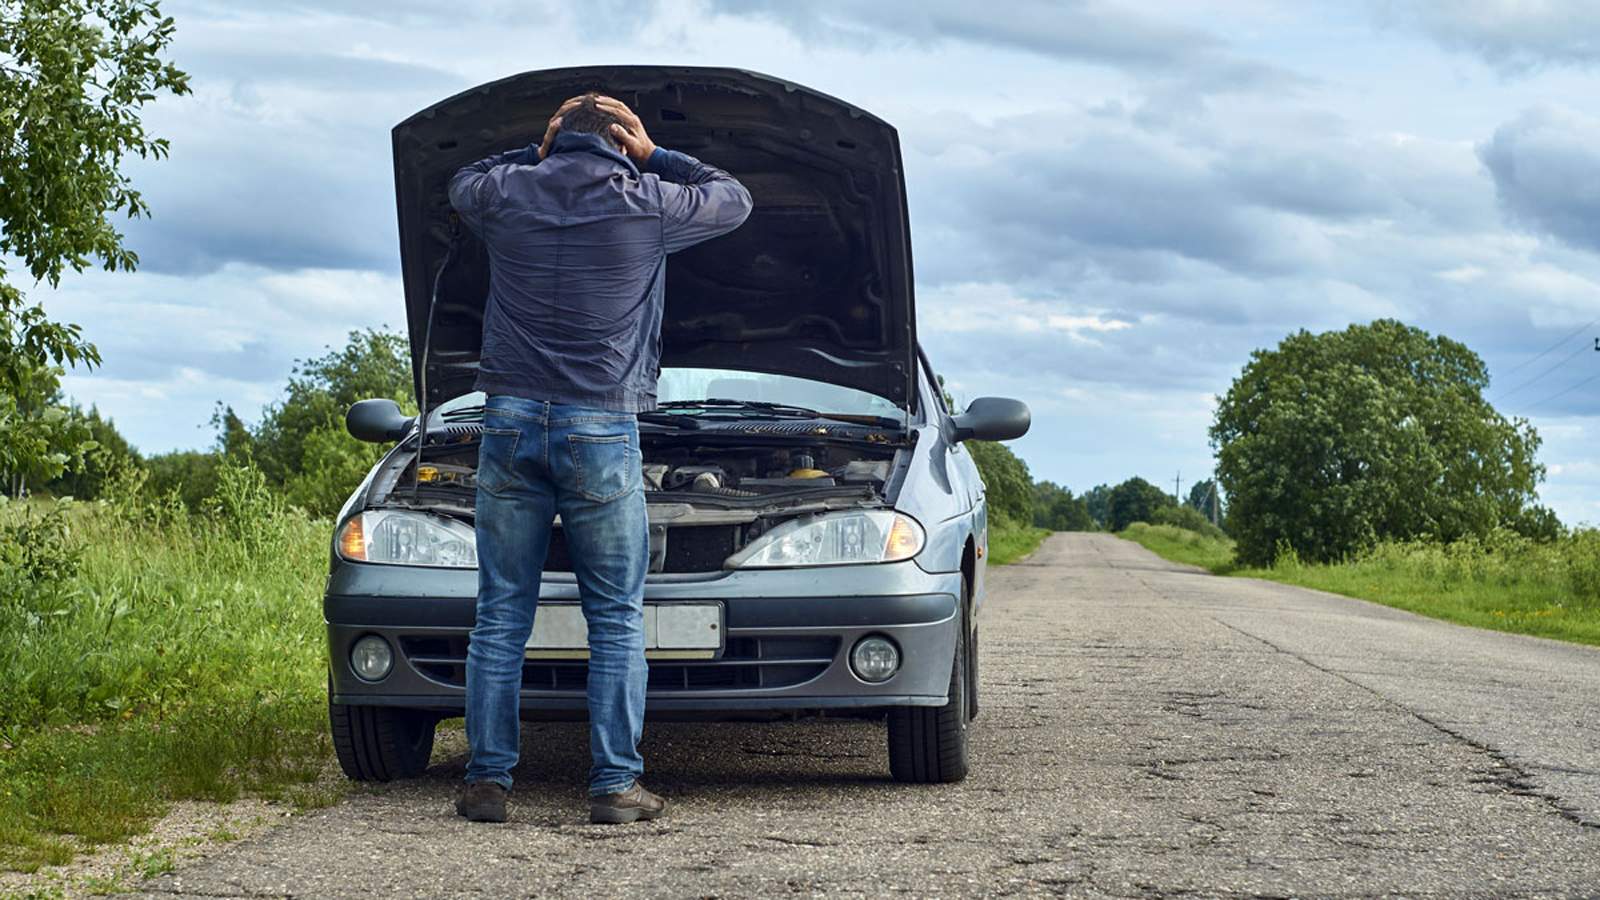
(567, 142)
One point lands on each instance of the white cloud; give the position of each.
(992, 309)
(1514, 36)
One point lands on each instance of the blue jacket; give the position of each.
(577, 254)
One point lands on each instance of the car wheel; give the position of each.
(381, 743)
(928, 744)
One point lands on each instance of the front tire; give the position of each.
(928, 744)
(381, 743)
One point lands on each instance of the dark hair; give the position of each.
(586, 119)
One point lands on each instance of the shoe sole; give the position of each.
(610, 815)
(482, 813)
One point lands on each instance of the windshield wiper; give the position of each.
(719, 404)
(664, 418)
(476, 412)
(463, 412)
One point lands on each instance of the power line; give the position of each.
(1536, 378)
(1561, 394)
(1543, 353)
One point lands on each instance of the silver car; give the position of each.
(817, 530)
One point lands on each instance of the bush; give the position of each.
(38, 560)
(1187, 518)
(1582, 553)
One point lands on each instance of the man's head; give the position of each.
(587, 119)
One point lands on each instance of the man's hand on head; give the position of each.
(555, 126)
(630, 133)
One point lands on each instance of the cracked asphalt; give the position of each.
(1146, 731)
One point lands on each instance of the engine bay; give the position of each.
(707, 496)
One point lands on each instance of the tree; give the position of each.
(1098, 501)
(190, 474)
(1135, 500)
(301, 444)
(1055, 508)
(1335, 441)
(1007, 485)
(73, 76)
(1204, 498)
(39, 437)
(107, 453)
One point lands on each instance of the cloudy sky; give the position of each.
(1113, 203)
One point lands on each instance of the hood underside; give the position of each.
(816, 283)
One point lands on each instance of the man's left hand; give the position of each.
(635, 143)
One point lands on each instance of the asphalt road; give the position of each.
(1147, 730)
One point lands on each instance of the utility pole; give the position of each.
(1177, 485)
(1214, 503)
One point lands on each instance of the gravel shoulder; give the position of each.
(1146, 731)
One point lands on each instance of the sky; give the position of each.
(1113, 204)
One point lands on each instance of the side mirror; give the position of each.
(992, 419)
(378, 421)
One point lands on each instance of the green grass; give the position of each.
(183, 659)
(1183, 546)
(1506, 583)
(1008, 544)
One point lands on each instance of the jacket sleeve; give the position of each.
(698, 202)
(464, 185)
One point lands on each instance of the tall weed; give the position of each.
(193, 639)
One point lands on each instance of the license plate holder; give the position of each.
(671, 631)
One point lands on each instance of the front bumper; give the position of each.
(780, 654)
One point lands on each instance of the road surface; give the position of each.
(1146, 730)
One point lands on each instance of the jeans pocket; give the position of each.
(603, 465)
(496, 453)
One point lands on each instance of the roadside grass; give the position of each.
(1181, 545)
(150, 655)
(1506, 583)
(1011, 543)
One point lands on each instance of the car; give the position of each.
(818, 531)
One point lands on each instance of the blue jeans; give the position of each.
(538, 460)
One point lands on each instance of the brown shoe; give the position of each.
(483, 801)
(626, 806)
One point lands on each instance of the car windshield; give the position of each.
(682, 387)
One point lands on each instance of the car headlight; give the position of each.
(402, 538)
(833, 539)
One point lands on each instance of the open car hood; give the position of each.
(816, 283)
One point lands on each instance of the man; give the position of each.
(577, 232)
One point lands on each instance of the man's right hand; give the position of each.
(635, 143)
(551, 129)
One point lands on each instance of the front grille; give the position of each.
(748, 663)
(689, 548)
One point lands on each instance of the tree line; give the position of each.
(300, 445)
(1015, 499)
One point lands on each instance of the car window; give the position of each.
(469, 400)
(680, 384)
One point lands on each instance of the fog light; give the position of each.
(371, 658)
(874, 659)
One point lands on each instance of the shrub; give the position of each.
(1188, 518)
(38, 558)
(1582, 552)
